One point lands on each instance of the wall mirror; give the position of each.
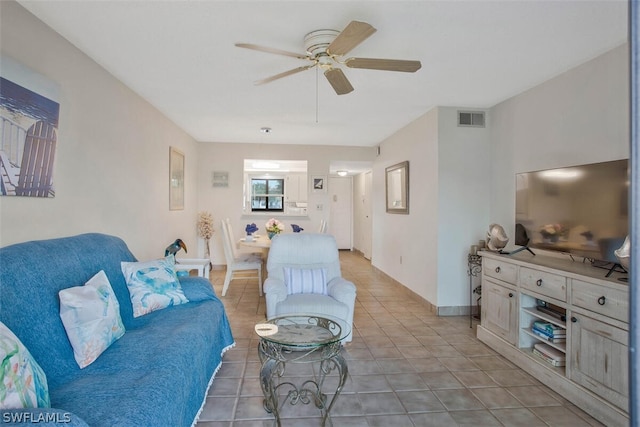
(397, 186)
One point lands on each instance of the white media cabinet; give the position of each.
(596, 375)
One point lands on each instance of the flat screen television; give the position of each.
(579, 210)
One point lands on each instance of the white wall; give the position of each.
(463, 209)
(581, 116)
(413, 237)
(463, 179)
(112, 160)
(227, 202)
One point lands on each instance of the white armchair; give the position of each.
(308, 251)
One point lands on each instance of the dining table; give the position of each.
(257, 242)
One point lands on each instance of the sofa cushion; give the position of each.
(305, 280)
(91, 317)
(24, 384)
(153, 285)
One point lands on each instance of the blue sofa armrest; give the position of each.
(197, 289)
(41, 417)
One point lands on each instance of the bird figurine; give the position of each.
(296, 228)
(173, 248)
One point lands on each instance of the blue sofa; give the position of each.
(157, 374)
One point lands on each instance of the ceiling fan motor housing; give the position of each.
(316, 42)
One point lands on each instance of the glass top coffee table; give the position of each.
(301, 338)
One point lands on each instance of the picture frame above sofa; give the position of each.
(176, 179)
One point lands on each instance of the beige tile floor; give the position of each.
(406, 368)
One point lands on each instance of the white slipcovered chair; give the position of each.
(308, 252)
(238, 262)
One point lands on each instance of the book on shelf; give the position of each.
(549, 328)
(553, 311)
(547, 359)
(550, 352)
(547, 337)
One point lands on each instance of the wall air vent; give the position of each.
(471, 119)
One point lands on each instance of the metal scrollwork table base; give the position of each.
(301, 339)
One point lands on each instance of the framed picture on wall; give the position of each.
(176, 179)
(397, 188)
(318, 183)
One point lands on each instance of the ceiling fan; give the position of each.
(325, 49)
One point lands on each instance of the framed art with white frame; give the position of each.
(319, 184)
(176, 179)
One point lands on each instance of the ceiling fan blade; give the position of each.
(284, 74)
(338, 81)
(384, 64)
(354, 34)
(272, 50)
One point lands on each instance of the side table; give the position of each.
(301, 338)
(203, 265)
(474, 267)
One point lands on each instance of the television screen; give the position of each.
(580, 210)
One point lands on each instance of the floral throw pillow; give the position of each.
(305, 280)
(153, 285)
(91, 317)
(23, 383)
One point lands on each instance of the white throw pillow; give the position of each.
(305, 280)
(153, 285)
(91, 317)
(24, 384)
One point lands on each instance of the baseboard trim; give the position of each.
(443, 311)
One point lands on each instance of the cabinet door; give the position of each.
(292, 188)
(599, 359)
(499, 310)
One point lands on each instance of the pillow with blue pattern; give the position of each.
(23, 383)
(153, 285)
(91, 316)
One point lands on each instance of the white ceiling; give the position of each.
(180, 56)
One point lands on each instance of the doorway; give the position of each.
(341, 210)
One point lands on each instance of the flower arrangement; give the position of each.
(205, 229)
(273, 227)
(251, 228)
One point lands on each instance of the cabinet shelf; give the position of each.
(544, 316)
(562, 346)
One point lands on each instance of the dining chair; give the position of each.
(239, 251)
(239, 263)
(323, 226)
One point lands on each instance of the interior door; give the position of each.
(366, 223)
(341, 210)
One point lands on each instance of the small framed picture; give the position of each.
(220, 179)
(318, 183)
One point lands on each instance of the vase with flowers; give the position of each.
(250, 229)
(273, 227)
